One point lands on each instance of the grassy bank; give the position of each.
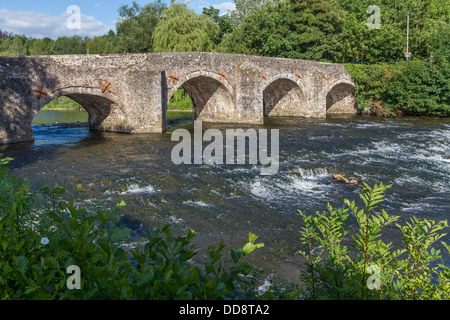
(185, 104)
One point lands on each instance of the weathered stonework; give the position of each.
(130, 92)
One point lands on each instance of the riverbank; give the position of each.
(65, 124)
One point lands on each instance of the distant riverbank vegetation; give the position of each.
(320, 30)
(45, 237)
(180, 101)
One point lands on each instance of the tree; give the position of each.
(245, 7)
(301, 29)
(429, 31)
(41, 46)
(18, 46)
(103, 44)
(136, 26)
(264, 32)
(181, 29)
(5, 34)
(69, 45)
(224, 22)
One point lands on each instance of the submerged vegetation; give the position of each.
(43, 236)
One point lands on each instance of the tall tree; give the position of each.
(223, 21)
(5, 34)
(69, 45)
(245, 7)
(136, 26)
(429, 31)
(40, 46)
(19, 46)
(103, 44)
(302, 29)
(181, 29)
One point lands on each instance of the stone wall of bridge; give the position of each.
(130, 92)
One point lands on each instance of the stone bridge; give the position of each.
(130, 92)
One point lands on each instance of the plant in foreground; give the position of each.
(340, 268)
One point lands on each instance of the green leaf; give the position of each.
(120, 234)
(236, 254)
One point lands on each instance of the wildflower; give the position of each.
(44, 241)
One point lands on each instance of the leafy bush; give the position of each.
(371, 82)
(342, 269)
(414, 87)
(418, 87)
(41, 235)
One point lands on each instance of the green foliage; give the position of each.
(41, 235)
(307, 29)
(419, 87)
(224, 22)
(264, 32)
(327, 30)
(428, 30)
(181, 29)
(371, 82)
(342, 269)
(63, 103)
(136, 26)
(69, 45)
(108, 43)
(414, 87)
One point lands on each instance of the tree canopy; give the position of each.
(181, 29)
(324, 30)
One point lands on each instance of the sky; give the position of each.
(49, 18)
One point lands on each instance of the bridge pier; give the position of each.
(249, 94)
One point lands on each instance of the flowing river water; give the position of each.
(226, 202)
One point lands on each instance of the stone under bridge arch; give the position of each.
(211, 94)
(341, 98)
(284, 95)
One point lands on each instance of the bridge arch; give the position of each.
(284, 95)
(212, 95)
(101, 107)
(341, 97)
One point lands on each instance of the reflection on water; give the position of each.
(226, 202)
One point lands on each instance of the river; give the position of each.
(226, 202)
